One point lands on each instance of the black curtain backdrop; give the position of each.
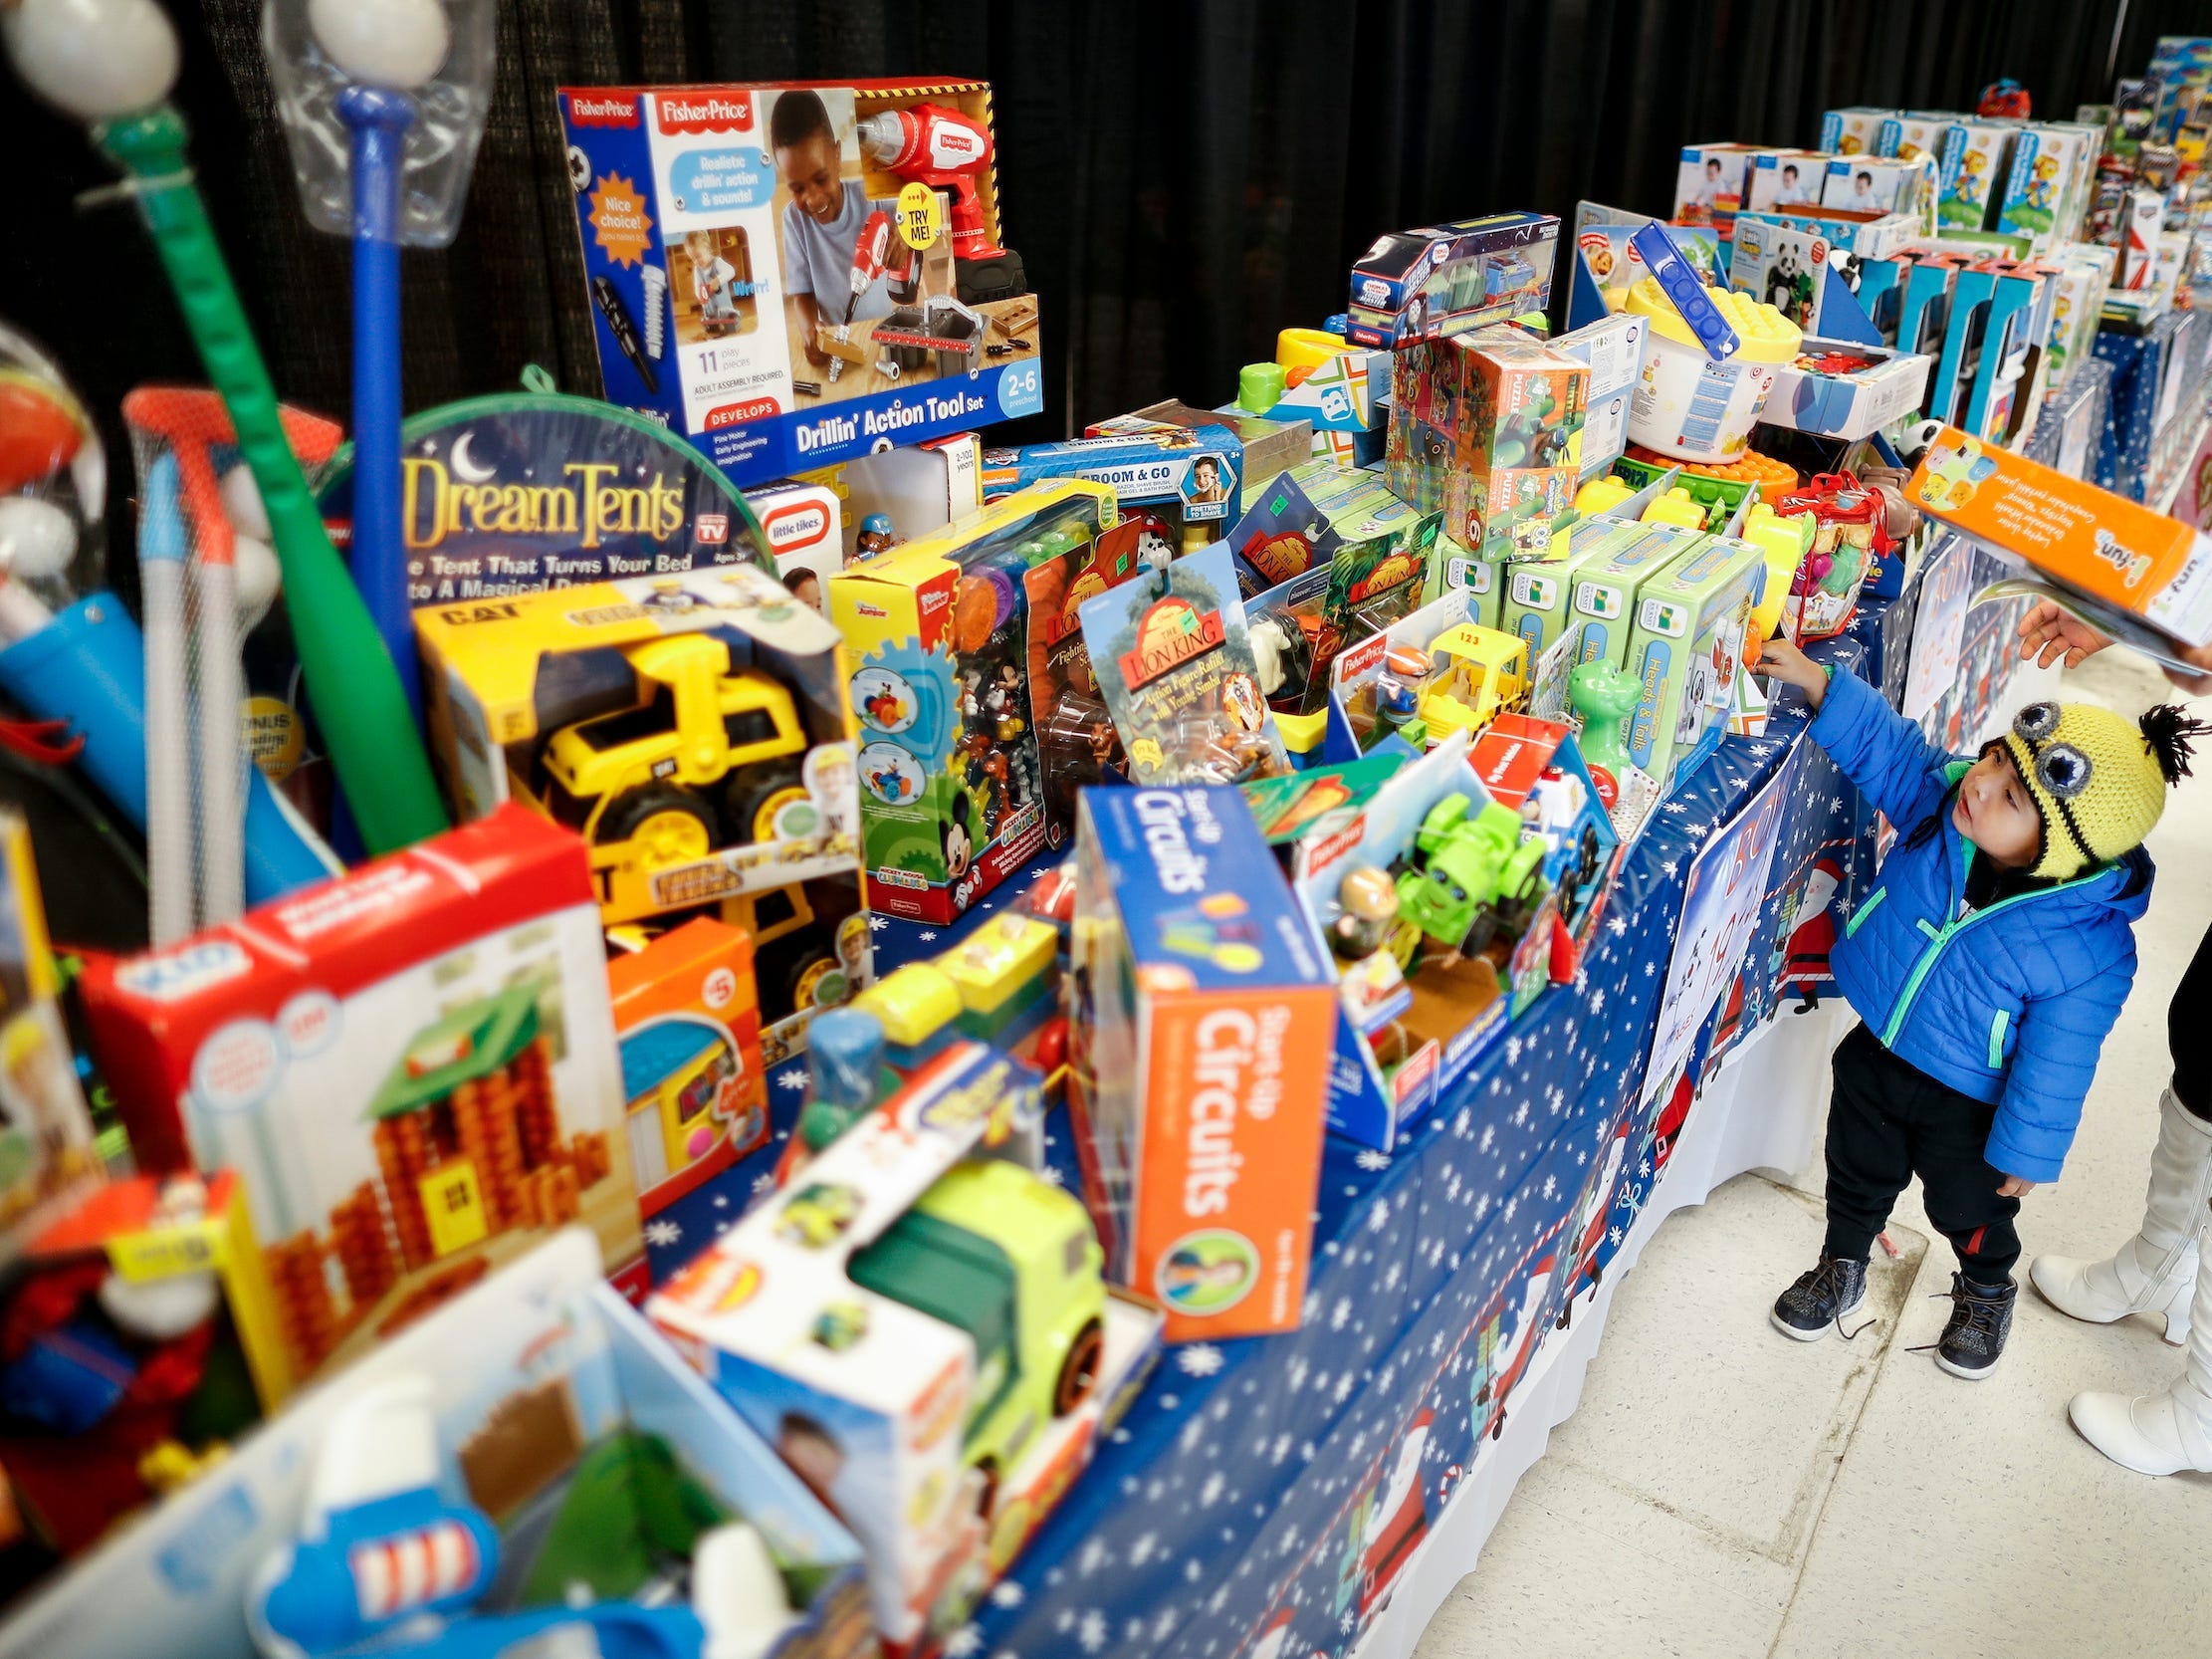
(1180, 180)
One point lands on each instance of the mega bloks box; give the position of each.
(1685, 651)
(412, 1067)
(1495, 422)
(1201, 1030)
(1710, 181)
(686, 1025)
(530, 1460)
(920, 1329)
(1856, 131)
(1445, 279)
(2137, 562)
(961, 645)
(822, 264)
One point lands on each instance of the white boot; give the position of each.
(2154, 1271)
(2160, 1434)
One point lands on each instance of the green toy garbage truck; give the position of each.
(1011, 1260)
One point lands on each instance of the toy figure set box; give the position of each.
(966, 656)
(795, 275)
(1446, 278)
(412, 1069)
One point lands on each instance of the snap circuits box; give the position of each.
(1686, 649)
(961, 644)
(687, 1024)
(1445, 279)
(412, 1069)
(1206, 1013)
(2114, 550)
(791, 275)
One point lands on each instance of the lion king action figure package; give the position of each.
(1173, 659)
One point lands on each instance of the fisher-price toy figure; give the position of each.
(711, 283)
(876, 536)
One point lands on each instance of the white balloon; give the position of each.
(37, 538)
(257, 576)
(96, 59)
(397, 43)
(241, 502)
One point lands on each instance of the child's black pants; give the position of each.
(1888, 1121)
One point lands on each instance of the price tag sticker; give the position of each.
(921, 216)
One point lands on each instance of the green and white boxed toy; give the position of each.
(1687, 649)
(1603, 595)
(1533, 602)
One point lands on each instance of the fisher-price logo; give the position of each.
(704, 112)
(800, 525)
(602, 109)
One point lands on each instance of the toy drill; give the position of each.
(945, 150)
(871, 256)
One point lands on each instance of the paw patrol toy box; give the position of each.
(411, 1067)
(793, 276)
(919, 1325)
(2119, 553)
(963, 644)
(1446, 278)
(1202, 1027)
(693, 730)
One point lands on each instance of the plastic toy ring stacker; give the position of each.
(357, 692)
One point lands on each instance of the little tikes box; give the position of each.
(779, 335)
(2114, 550)
(1205, 1013)
(411, 1067)
(687, 1022)
(1686, 649)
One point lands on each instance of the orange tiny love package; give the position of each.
(2107, 546)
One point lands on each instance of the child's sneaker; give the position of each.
(1826, 1297)
(1981, 1319)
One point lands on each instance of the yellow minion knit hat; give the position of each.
(2098, 779)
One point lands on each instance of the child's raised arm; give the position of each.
(1880, 750)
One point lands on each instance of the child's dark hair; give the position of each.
(796, 117)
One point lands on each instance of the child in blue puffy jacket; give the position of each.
(1988, 961)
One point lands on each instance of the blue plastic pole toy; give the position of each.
(1679, 282)
(383, 103)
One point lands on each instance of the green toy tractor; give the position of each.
(1471, 879)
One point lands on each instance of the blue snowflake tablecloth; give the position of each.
(1261, 1495)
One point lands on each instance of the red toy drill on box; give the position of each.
(944, 150)
(871, 258)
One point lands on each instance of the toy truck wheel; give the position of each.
(671, 826)
(756, 796)
(1079, 1368)
(1589, 866)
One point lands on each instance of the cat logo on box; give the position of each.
(461, 615)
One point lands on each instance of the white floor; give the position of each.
(1725, 1493)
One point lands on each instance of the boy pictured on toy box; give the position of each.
(821, 222)
(1988, 963)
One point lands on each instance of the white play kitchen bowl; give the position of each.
(1688, 404)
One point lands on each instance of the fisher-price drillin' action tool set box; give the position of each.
(797, 275)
